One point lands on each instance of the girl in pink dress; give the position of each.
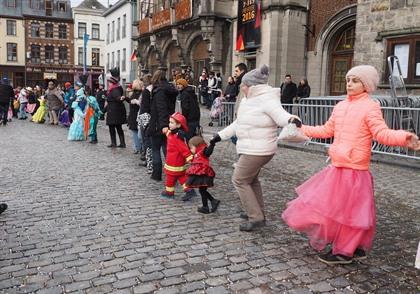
(336, 205)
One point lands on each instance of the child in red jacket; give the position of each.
(200, 174)
(177, 155)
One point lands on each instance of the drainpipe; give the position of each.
(306, 46)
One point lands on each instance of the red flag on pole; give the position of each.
(134, 55)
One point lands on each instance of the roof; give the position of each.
(91, 4)
(115, 6)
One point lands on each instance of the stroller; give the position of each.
(216, 108)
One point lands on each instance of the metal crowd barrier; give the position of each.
(402, 113)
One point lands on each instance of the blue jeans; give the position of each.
(158, 143)
(22, 110)
(137, 142)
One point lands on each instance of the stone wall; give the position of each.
(386, 18)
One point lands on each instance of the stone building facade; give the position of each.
(283, 41)
(390, 27)
(49, 42)
(194, 33)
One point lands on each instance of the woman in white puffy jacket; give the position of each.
(260, 114)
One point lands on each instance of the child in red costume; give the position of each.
(200, 174)
(177, 155)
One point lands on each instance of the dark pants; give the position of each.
(158, 143)
(4, 108)
(112, 133)
(205, 196)
(192, 129)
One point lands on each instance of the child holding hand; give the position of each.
(336, 205)
(177, 155)
(200, 173)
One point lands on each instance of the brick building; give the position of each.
(12, 49)
(49, 41)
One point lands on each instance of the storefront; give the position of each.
(93, 75)
(40, 75)
(15, 74)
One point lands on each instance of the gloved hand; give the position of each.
(295, 120)
(216, 138)
(182, 135)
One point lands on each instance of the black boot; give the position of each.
(113, 139)
(122, 141)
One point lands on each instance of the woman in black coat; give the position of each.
(116, 115)
(303, 90)
(230, 91)
(189, 107)
(161, 107)
(134, 100)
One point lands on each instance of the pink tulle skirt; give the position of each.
(335, 206)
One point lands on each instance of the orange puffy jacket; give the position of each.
(354, 123)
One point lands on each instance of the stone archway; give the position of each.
(341, 59)
(323, 61)
(152, 61)
(199, 56)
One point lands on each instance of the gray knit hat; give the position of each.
(256, 76)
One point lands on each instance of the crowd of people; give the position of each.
(334, 208)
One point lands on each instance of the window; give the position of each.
(107, 62)
(113, 60)
(62, 32)
(62, 6)
(35, 30)
(11, 3)
(11, 27)
(95, 31)
(80, 55)
(407, 49)
(49, 30)
(11, 52)
(81, 29)
(123, 65)
(35, 4)
(107, 34)
(124, 25)
(95, 56)
(48, 7)
(35, 54)
(118, 59)
(62, 55)
(118, 28)
(113, 32)
(49, 54)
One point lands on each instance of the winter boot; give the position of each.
(122, 141)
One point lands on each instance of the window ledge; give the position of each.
(396, 33)
(408, 86)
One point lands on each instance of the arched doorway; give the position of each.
(200, 57)
(152, 62)
(173, 58)
(341, 57)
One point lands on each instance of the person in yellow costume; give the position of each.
(39, 116)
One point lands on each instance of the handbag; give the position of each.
(16, 104)
(292, 134)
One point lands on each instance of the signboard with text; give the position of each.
(248, 34)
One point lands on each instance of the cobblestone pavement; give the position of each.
(86, 219)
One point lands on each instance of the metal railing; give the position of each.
(398, 114)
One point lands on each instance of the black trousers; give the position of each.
(4, 108)
(118, 128)
(205, 196)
